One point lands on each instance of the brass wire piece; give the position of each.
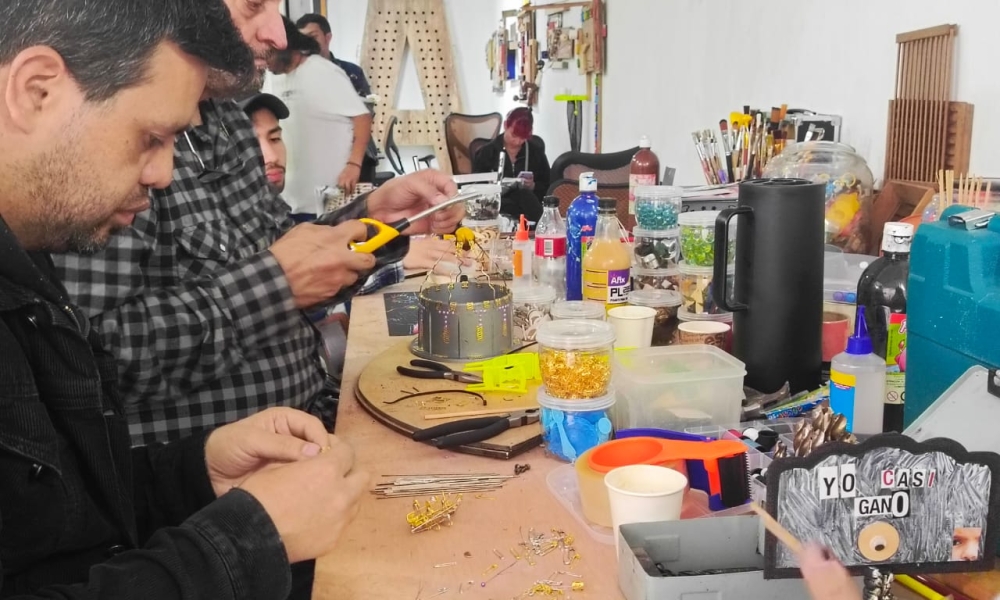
(433, 513)
(575, 374)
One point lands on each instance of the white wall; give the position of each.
(674, 66)
(680, 65)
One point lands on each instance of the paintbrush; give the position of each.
(777, 530)
(727, 147)
(705, 169)
(713, 151)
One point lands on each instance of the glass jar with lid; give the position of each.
(849, 188)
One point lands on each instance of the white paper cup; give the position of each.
(633, 326)
(644, 494)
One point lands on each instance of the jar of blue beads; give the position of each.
(571, 427)
(658, 207)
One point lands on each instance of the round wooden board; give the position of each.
(380, 383)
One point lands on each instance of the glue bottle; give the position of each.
(857, 382)
(522, 252)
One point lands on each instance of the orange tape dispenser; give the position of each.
(719, 468)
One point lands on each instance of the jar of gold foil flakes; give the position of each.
(575, 358)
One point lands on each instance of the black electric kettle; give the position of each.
(777, 295)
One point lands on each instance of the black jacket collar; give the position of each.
(31, 271)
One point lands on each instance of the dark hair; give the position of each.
(313, 19)
(107, 44)
(298, 41)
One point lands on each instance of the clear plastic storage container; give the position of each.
(571, 427)
(578, 309)
(665, 304)
(652, 249)
(658, 207)
(484, 247)
(575, 358)
(677, 388)
(697, 231)
(696, 288)
(532, 305)
(486, 206)
(849, 188)
(656, 279)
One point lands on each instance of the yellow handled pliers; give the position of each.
(385, 233)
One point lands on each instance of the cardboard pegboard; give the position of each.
(390, 27)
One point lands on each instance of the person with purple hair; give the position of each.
(523, 152)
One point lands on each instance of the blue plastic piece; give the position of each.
(568, 434)
(860, 343)
(953, 309)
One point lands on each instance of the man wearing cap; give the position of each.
(202, 300)
(425, 253)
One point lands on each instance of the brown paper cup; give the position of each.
(710, 333)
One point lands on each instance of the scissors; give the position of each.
(428, 369)
(470, 431)
(383, 234)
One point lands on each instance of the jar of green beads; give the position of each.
(698, 238)
(657, 207)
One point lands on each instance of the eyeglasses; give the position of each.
(213, 174)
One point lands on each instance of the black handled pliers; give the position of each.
(470, 431)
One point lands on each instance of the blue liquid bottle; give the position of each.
(581, 221)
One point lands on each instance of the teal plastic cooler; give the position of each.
(953, 304)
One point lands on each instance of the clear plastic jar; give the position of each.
(698, 238)
(578, 309)
(575, 358)
(657, 207)
(571, 427)
(484, 248)
(656, 279)
(652, 249)
(486, 207)
(696, 288)
(849, 188)
(532, 305)
(666, 305)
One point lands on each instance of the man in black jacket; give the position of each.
(92, 93)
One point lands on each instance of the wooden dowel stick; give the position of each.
(775, 528)
(486, 412)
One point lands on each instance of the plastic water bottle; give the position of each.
(857, 382)
(582, 220)
(549, 265)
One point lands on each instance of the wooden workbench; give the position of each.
(378, 558)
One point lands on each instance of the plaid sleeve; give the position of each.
(186, 334)
(388, 259)
(382, 278)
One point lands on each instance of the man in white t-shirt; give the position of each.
(329, 126)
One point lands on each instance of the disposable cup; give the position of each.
(644, 494)
(711, 333)
(633, 326)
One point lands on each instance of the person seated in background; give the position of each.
(329, 127)
(425, 253)
(522, 154)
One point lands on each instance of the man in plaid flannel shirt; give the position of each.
(202, 299)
